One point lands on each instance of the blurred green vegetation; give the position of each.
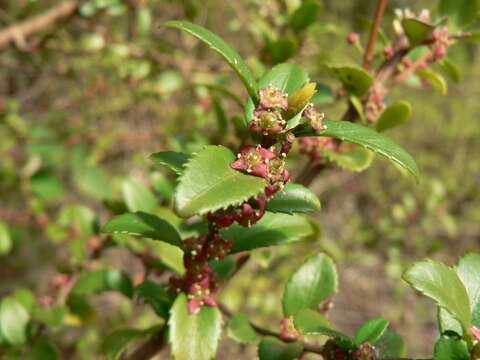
(83, 104)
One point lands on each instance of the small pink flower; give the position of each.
(254, 160)
(353, 38)
(315, 117)
(272, 98)
(388, 51)
(475, 332)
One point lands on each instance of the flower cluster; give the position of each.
(375, 101)
(442, 41)
(332, 350)
(267, 116)
(312, 145)
(314, 117)
(200, 282)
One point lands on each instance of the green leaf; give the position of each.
(281, 50)
(239, 328)
(451, 349)
(305, 15)
(391, 345)
(146, 225)
(117, 342)
(138, 197)
(355, 79)
(442, 284)
(42, 351)
(463, 12)
(437, 80)
(223, 267)
(447, 323)
(357, 104)
(194, 337)
(96, 281)
(361, 135)
(371, 331)
(47, 186)
(324, 94)
(468, 270)
(449, 68)
(314, 281)
(5, 239)
(209, 183)
(156, 296)
(356, 159)
(175, 161)
(271, 348)
(294, 198)
(395, 114)
(271, 230)
(14, 319)
(220, 46)
(310, 322)
(417, 31)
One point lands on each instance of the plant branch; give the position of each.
(18, 32)
(411, 69)
(382, 4)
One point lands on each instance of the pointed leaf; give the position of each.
(435, 79)
(14, 319)
(239, 328)
(391, 345)
(138, 197)
(294, 198)
(451, 349)
(395, 114)
(442, 284)
(355, 79)
(271, 230)
(156, 296)
(371, 331)
(209, 183)
(361, 135)
(217, 44)
(305, 15)
(310, 284)
(175, 161)
(271, 348)
(146, 225)
(5, 239)
(468, 270)
(117, 342)
(417, 31)
(450, 69)
(194, 337)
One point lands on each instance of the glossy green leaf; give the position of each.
(310, 322)
(138, 197)
(371, 331)
(451, 349)
(271, 230)
(314, 281)
(175, 161)
(42, 351)
(294, 198)
(361, 135)
(194, 337)
(394, 115)
(305, 15)
(209, 183)
(170, 256)
(271, 348)
(417, 31)
(223, 267)
(391, 345)
(442, 284)
(156, 296)
(447, 323)
(117, 342)
(435, 79)
(356, 159)
(239, 328)
(14, 319)
(220, 46)
(146, 225)
(96, 281)
(355, 79)
(5, 239)
(468, 270)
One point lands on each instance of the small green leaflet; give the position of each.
(371, 331)
(175, 161)
(220, 46)
(271, 348)
(14, 319)
(294, 198)
(355, 79)
(239, 328)
(395, 114)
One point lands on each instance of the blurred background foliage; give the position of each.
(83, 104)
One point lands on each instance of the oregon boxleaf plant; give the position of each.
(230, 201)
